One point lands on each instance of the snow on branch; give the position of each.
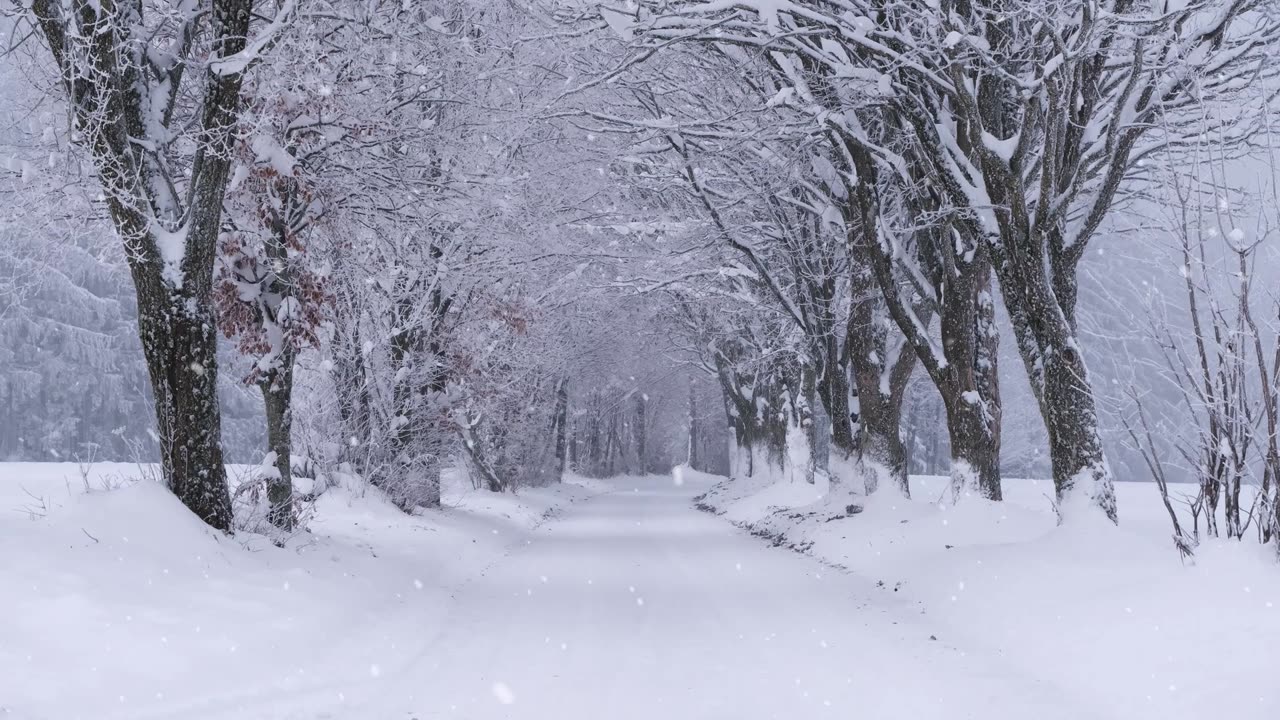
(237, 63)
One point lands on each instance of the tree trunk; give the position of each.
(352, 390)
(881, 381)
(1038, 280)
(561, 423)
(694, 426)
(800, 456)
(277, 396)
(1071, 418)
(965, 371)
(471, 443)
(1269, 506)
(594, 455)
(1231, 508)
(833, 390)
(975, 449)
(883, 456)
(741, 459)
(573, 449)
(1274, 533)
(612, 445)
(394, 475)
(969, 382)
(180, 347)
(641, 439)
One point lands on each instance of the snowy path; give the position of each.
(628, 603)
(635, 605)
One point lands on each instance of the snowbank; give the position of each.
(118, 603)
(1104, 614)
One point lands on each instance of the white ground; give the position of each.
(616, 600)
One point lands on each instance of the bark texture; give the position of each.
(180, 348)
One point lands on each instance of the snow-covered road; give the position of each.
(636, 605)
(625, 603)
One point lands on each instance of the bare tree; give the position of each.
(1150, 453)
(159, 126)
(1031, 117)
(1213, 353)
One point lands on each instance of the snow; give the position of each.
(172, 245)
(798, 465)
(652, 610)
(437, 24)
(269, 152)
(1002, 148)
(762, 493)
(783, 96)
(619, 599)
(1107, 616)
(621, 23)
(964, 480)
(258, 45)
(267, 470)
(124, 593)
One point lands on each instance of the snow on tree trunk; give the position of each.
(478, 462)
(975, 448)
(799, 461)
(882, 456)
(748, 459)
(739, 460)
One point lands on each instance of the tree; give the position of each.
(1220, 428)
(127, 70)
(699, 150)
(270, 300)
(1032, 117)
(269, 294)
(947, 270)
